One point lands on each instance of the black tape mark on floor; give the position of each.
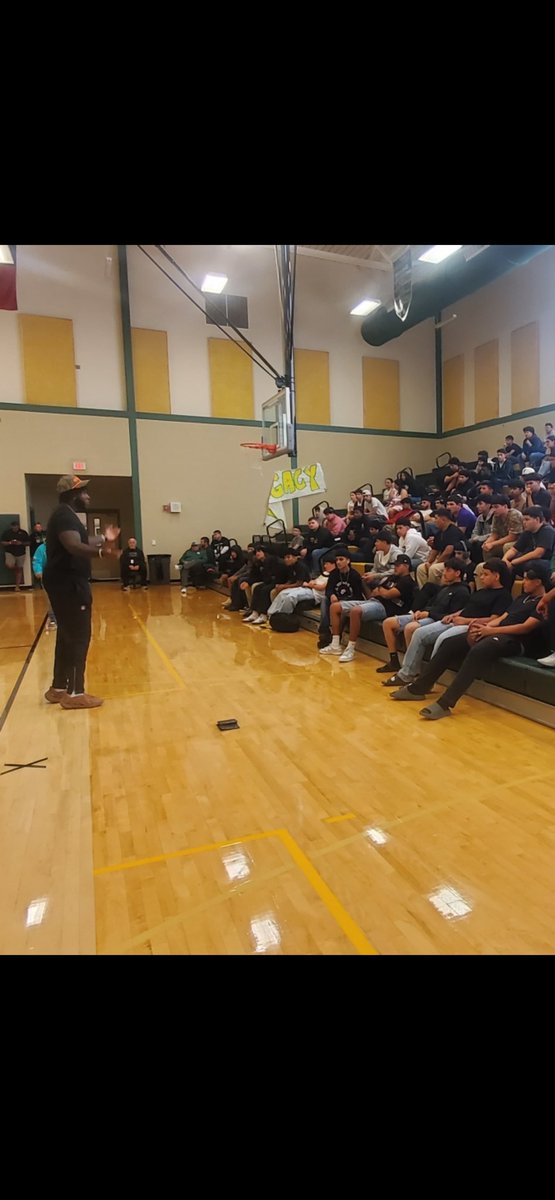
(19, 766)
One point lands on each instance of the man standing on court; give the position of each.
(69, 550)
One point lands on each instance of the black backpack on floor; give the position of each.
(285, 623)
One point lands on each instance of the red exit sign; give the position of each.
(79, 466)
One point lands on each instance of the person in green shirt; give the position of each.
(195, 554)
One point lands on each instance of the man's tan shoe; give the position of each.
(83, 701)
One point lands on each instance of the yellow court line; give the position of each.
(144, 862)
(161, 653)
(351, 930)
(343, 817)
(354, 933)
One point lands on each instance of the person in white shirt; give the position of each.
(384, 558)
(411, 542)
(371, 504)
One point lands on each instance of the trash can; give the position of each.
(159, 568)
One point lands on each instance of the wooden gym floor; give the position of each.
(333, 821)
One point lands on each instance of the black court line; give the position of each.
(6, 709)
(19, 766)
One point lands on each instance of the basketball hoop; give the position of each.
(271, 447)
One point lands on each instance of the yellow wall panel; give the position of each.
(381, 393)
(231, 384)
(525, 367)
(453, 393)
(486, 381)
(48, 360)
(312, 386)
(150, 370)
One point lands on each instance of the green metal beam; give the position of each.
(130, 391)
(439, 378)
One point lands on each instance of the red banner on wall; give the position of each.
(8, 297)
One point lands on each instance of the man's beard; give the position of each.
(79, 504)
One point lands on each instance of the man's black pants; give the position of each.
(129, 578)
(71, 603)
(475, 661)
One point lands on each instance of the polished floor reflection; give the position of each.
(330, 822)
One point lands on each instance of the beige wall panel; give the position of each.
(525, 367)
(38, 443)
(381, 393)
(150, 370)
(48, 360)
(312, 386)
(466, 445)
(231, 383)
(453, 392)
(486, 381)
(222, 486)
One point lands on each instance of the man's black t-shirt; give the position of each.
(59, 563)
(528, 541)
(449, 537)
(488, 602)
(22, 536)
(520, 610)
(401, 604)
(345, 585)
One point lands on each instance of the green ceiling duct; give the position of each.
(446, 283)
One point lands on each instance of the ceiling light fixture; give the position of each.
(214, 283)
(365, 307)
(6, 255)
(437, 253)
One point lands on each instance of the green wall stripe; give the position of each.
(61, 408)
(545, 409)
(439, 377)
(130, 391)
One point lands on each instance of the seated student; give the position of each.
(546, 608)
(537, 542)
(371, 505)
(239, 600)
(445, 543)
(506, 527)
(533, 448)
(384, 558)
(132, 566)
(334, 524)
(318, 540)
(194, 555)
(266, 572)
(234, 563)
(491, 601)
(461, 514)
(344, 583)
(482, 529)
(290, 595)
(394, 594)
(537, 493)
(411, 542)
(511, 447)
(38, 562)
(433, 603)
(198, 571)
(321, 597)
(516, 631)
(296, 579)
(504, 470)
(545, 465)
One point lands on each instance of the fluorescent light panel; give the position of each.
(438, 253)
(365, 307)
(6, 255)
(214, 283)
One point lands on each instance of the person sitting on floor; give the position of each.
(133, 567)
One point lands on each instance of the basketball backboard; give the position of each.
(278, 427)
